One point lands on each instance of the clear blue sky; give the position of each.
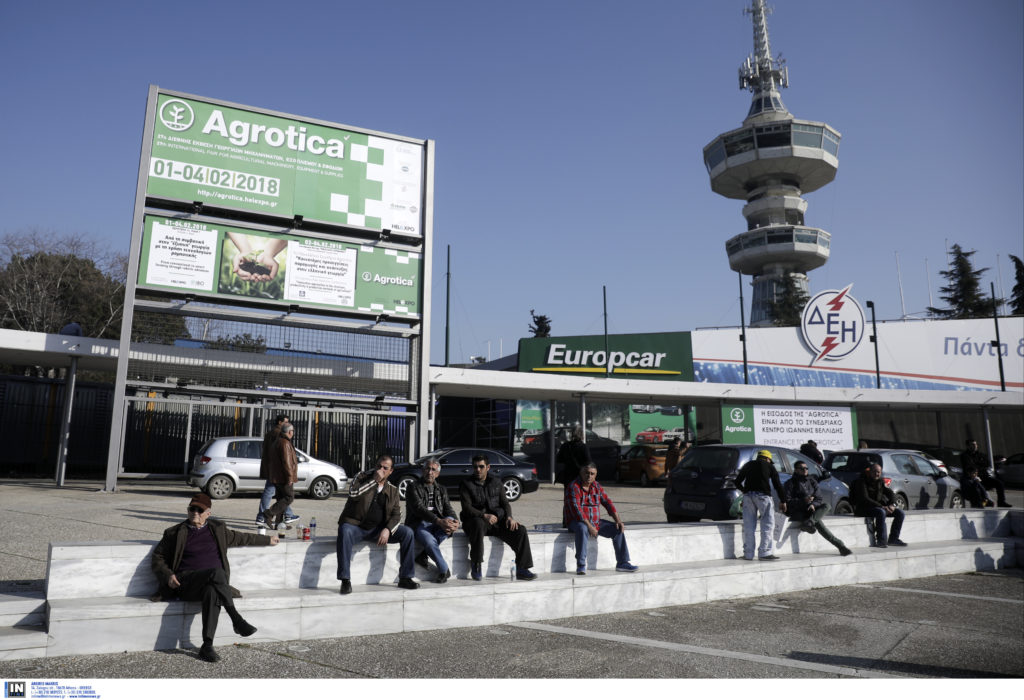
(569, 135)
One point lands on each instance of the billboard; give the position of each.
(831, 427)
(235, 157)
(230, 261)
(638, 356)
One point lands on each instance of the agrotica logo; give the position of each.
(177, 115)
(832, 324)
(737, 415)
(367, 277)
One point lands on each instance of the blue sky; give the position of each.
(569, 135)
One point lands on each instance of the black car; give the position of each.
(603, 451)
(519, 477)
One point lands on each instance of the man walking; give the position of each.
(582, 512)
(803, 503)
(284, 472)
(486, 511)
(755, 480)
(973, 457)
(268, 488)
(373, 512)
(191, 563)
(430, 515)
(873, 499)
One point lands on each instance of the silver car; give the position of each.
(225, 465)
(916, 482)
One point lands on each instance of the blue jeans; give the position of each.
(606, 529)
(430, 536)
(348, 535)
(758, 506)
(877, 515)
(268, 494)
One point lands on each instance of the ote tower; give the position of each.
(771, 162)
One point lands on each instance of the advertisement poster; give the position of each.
(831, 427)
(242, 158)
(234, 262)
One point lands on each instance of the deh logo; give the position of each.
(14, 689)
(832, 324)
(177, 115)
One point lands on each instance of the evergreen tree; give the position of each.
(787, 308)
(1017, 298)
(963, 291)
(541, 326)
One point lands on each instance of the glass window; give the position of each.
(804, 236)
(716, 154)
(739, 143)
(904, 464)
(807, 135)
(773, 136)
(777, 104)
(461, 458)
(824, 240)
(240, 449)
(925, 467)
(785, 236)
(831, 143)
(753, 241)
(733, 246)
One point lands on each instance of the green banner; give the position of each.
(638, 356)
(234, 262)
(246, 159)
(737, 424)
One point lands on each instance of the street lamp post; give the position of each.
(874, 339)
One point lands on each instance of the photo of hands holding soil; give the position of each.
(253, 266)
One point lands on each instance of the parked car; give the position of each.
(671, 435)
(226, 465)
(645, 409)
(703, 484)
(603, 451)
(1012, 470)
(517, 476)
(671, 410)
(652, 434)
(645, 463)
(916, 482)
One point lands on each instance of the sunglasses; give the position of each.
(196, 509)
(479, 466)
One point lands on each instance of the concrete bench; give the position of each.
(97, 592)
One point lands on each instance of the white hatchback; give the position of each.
(225, 465)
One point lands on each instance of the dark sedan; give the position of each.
(517, 476)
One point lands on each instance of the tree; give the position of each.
(541, 326)
(963, 291)
(240, 342)
(1017, 298)
(787, 308)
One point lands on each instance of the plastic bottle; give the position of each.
(312, 528)
(281, 530)
(512, 572)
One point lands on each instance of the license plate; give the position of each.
(690, 505)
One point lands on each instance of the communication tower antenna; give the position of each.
(761, 72)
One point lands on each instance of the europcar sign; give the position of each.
(640, 356)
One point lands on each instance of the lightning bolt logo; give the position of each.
(828, 345)
(836, 304)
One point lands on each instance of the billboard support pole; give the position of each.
(874, 341)
(65, 421)
(607, 355)
(995, 343)
(743, 333)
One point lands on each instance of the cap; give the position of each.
(764, 453)
(201, 499)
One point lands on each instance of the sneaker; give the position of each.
(581, 571)
(288, 519)
(475, 573)
(769, 557)
(441, 578)
(244, 629)
(408, 584)
(880, 545)
(422, 560)
(845, 551)
(627, 567)
(206, 653)
(896, 542)
(346, 586)
(525, 575)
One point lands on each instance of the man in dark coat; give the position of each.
(873, 499)
(283, 468)
(810, 449)
(268, 488)
(973, 490)
(191, 563)
(974, 457)
(430, 515)
(486, 511)
(803, 503)
(572, 455)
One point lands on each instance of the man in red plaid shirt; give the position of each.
(583, 498)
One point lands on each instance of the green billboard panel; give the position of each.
(229, 261)
(831, 427)
(638, 356)
(235, 157)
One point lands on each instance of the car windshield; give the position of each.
(721, 460)
(850, 461)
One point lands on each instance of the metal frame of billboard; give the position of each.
(416, 327)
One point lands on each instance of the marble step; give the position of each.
(23, 643)
(22, 609)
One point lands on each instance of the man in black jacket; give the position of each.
(430, 515)
(873, 499)
(803, 503)
(755, 480)
(191, 563)
(974, 457)
(486, 511)
(572, 455)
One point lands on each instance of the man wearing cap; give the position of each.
(755, 480)
(191, 563)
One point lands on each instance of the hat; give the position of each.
(201, 499)
(764, 453)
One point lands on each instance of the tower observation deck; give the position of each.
(771, 162)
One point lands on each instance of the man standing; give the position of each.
(191, 563)
(873, 499)
(803, 503)
(373, 512)
(582, 512)
(430, 515)
(810, 449)
(673, 455)
(268, 487)
(486, 511)
(755, 480)
(973, 457)
(572, 455)
(284, 472)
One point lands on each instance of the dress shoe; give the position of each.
(422, 560)
(475, 573)
(844, 551)
(770, 557)
(896, 542)
(244, 629)
(441, 578)
(346, 587)
(525, 575)
(206, 653)
(880, 545)
(408, 584)
(270, 522)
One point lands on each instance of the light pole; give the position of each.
(874, 339)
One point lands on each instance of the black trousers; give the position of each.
(284, 495)
(992, 482)
(209, 586)
(518, 540)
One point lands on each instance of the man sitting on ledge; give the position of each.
(191, 563)
(583, 500)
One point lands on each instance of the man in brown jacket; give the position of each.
(268, 487)
(283, 469)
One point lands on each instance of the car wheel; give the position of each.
(673, 518)
(901, 502)
(321, 488)
(513, 489)
(843, 508)
(220, 486)
(956, 500)
(403, 485)
(645, 481)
